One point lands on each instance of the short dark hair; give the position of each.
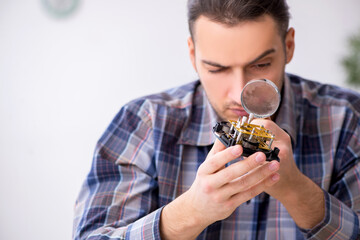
(232, 12)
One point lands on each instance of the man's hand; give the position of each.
(289, 172)
(217, 191)
(303, 199)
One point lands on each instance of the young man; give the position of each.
(159, 173)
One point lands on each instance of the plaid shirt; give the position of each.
(152, 149)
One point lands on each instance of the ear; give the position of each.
(191, 46)
(290, 44)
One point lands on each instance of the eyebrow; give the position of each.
(267, 52)
(213, 64)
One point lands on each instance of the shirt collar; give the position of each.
(287, 115)
(198, 129)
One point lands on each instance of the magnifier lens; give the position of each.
(261, 98)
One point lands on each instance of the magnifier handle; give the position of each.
(251, 117)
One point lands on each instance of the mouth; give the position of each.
(239, 112)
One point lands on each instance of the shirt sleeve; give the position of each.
(340, 221)
(342, 200)
(118, 200)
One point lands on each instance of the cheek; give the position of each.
(215, 88)
(279, 73)
(275, 75)
(214, 84)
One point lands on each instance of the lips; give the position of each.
(238, 112)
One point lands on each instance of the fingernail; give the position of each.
(275, 177)
(236, 150)
(259, 158)
(273, 166)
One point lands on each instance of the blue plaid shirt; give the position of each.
(152, 149)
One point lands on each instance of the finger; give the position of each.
(274, 179)
(214, 163)
(217, 147)
(251, 179)
(237, 170)
(239, 198)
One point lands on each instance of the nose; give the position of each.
(238, 82)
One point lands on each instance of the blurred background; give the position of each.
(66, 68)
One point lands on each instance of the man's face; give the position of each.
(226, 58)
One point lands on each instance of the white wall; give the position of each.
(62, 81)
(321, 31)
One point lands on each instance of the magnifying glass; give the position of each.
(260, 98)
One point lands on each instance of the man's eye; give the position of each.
(261, 66)
(217, 70)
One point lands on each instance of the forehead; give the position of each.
(235, 44)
